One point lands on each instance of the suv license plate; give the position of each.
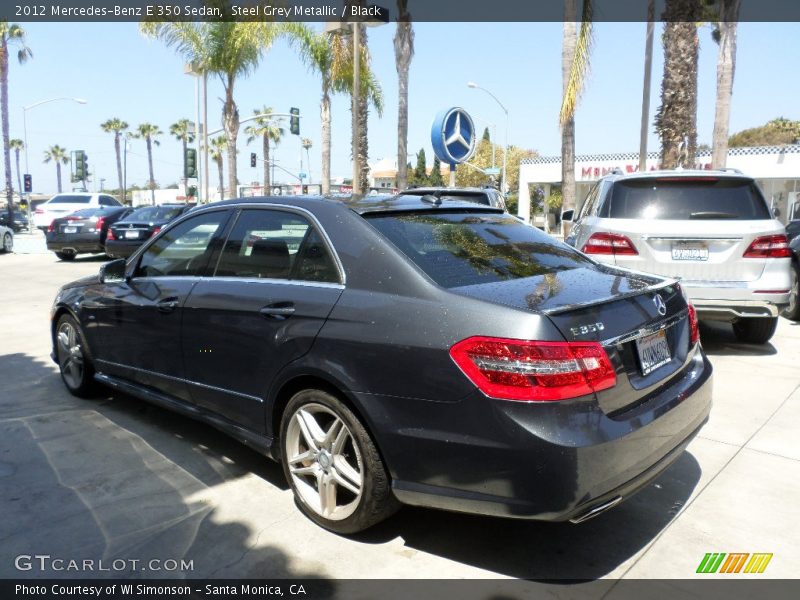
(70, 229)
(653, 351)
(689, 252)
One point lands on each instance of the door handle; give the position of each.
(167, 305)
(278, 310)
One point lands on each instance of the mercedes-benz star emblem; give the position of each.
(660, 306)
(457, 136)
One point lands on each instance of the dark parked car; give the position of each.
(20, 221)
(793, 310)
(438, 354)
(83, 232)
(128, 234)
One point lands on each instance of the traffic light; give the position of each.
(294, 121)
(252, 159)
(80, 166)
(27, 183)
(190, 163)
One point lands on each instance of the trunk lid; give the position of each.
(616, 307)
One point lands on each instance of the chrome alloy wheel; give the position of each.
(70, 355)
(324, 462)
(8, 243)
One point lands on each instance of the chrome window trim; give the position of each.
(179, 379)
(301, 282)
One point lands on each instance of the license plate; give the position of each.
(70, 229)
(653, 351)
(689, 252)
(131, 235)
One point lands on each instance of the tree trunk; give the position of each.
(403, 52)
(119, 165)
(363, 142)
(58, 175)
(221, 177)
(726, 67)
(230, 116)
(4, 108)
(150, 165)
(266, 166)
(325, 119)
(183, 162)
(568, 43)
(676, 119)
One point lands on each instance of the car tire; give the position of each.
(8, 243)
(65, 256)
(757, 330)
(74, 362)
(792, 312)
(324, 444)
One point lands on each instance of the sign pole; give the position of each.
(452, 175)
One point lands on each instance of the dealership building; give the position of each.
(775, 168)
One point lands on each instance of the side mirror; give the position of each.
(567, 215)
(113, 271)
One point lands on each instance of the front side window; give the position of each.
(457, 249)
(273, 244)
(184, 250)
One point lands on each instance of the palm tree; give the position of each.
(332, 57)
(217, 147)
(17, 146)
(268, 129)
(149, 132)
(403, 53)
(575, 50)
(11, 34)
(725, 35)
(230, 50)
(676, 118)
(183, 131)
(59, 156)
(117, 126)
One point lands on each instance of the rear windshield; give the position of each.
(684, 198)
(155, 213)
(466, 248)
(69, 199)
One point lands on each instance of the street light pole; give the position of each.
(356, 106)
(474, 85)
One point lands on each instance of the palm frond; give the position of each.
(580, 66)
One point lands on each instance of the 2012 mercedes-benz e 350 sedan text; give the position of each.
(409, 350)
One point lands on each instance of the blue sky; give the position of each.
(121, 74)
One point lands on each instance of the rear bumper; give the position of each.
(78, 244)
(549, 461)
(765, 297)
(120, 249)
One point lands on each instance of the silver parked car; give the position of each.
(711, 229)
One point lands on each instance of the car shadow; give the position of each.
(114, 481)
(719, 340)
(548, 552)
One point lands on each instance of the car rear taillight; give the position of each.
(534, 371)
(52, 227)
(155, 231)
(694, 326)
(609, 243)
(769, 246)
(110, 235)
(99, 225)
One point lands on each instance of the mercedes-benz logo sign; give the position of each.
(453, 136)
(660, 306)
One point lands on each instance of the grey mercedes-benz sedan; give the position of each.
(405, 350)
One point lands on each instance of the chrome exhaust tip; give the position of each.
(596, 510)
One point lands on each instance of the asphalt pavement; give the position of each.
(116, 479)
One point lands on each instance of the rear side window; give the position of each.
(69, 199)
(686, 198)
(465, 248)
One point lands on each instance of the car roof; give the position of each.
(679, 174)
(364, 204)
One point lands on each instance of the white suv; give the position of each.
(62, 205)
(711, 229)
